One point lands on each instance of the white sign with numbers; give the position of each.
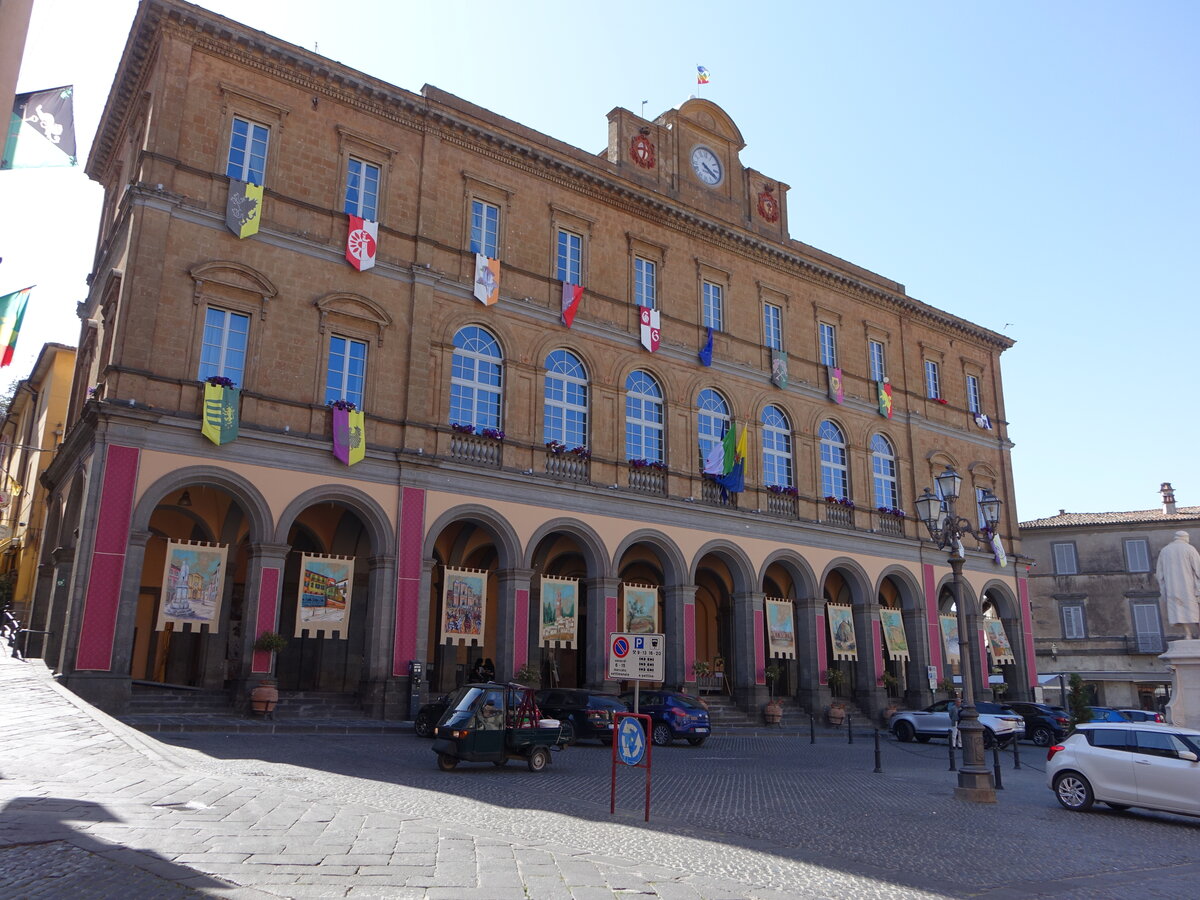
(636, 657)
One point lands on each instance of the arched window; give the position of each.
(883, 465)
(565, 416)
(643, 417)
(712, 421)
(835, 477)
(476, 379)
(777, 448)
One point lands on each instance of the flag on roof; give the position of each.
(701, 75)
(41, 131)
(12, 313)
(572, 294)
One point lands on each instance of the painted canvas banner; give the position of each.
(781, 627)
(464, 606)
(362, 241)
(779, 368)
(220, 423)
(892, 622)
(885, 398)
(837, 393)
(487, 279)
(323, 600)
(641, 609)
(950, 639)
(1002, 651)
(349, 445)
(841, 631)
(243, 209)
(193, 585)
(651, 326)
(560, 611)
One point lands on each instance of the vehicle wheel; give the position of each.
(423, 725)
(905, 732)
(1073, 791)
(446, 762)
(661, 735)
(697, 740)
(923, 738)
(1043, 736)
(539, 758)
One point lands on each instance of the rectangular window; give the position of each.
(570, 257)
(827, 336)
(933, 381)
(712, 306)
(347, 370)
(247, 151)
(1137, 555)
(878, 365)
(773, 326)
(362, 189)
(485, 229)
(223, 348)
(645, 282)
(1072, 622)
(1065, 562)
(973, 404)
(1147, 627)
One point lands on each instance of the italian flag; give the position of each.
(12, 313)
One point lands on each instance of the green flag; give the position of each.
(220, 413)
(12, 314)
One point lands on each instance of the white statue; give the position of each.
(1178, 574)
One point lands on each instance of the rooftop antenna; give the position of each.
(644, 102)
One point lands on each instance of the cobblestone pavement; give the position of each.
(90, 808)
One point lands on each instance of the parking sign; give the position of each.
(636, 657)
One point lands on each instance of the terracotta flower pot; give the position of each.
(773, 712)
(264, 697)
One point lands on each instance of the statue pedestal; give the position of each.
(1184, 659)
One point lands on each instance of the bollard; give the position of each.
(1016, 754)
(878, 759)
(849, 730)
(996, 766)
(953, 767)
(812, 730)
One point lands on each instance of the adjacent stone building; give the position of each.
(526, 488)
(1096, 604)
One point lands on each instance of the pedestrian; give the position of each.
(477, 672)
(489, 670)
(955, 736)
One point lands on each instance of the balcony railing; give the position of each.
(568, 466)
(711, 492)
(782, 505)
(476, 449)
(892, 525)
(842, 516)
(648, 480)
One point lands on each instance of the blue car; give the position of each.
(1106, 714)
(673, 715)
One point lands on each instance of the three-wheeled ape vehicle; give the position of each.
(495, 723)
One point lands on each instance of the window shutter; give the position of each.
(1073, 622)
(1147, 627)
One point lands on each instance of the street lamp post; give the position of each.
(947, 529)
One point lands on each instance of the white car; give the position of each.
(1127, 764)
(999, 722)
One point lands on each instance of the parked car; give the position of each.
(1142, 715)
(1000, 722)
(673, 715)
(1127, 764)
(590, 713)
(1106, 714)
(429, 714)
(1044, 724)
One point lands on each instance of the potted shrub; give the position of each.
(836, 713)
(773, 711)
(528, 674)
(264, 698)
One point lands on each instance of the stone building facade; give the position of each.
(502, 449)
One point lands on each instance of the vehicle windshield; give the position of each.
(464, 698)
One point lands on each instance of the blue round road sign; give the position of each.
(621, 647)
(631, 742)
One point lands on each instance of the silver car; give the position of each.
(1000, 723)
(1127, 764)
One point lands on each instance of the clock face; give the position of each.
(706, 165)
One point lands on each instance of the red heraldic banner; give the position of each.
(651, 324)
(361, 243)
(572, 294)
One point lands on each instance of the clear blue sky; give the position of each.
(1029, 166)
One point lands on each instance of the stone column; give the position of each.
(1183, 659)
(378, 691)
(917, 694)
(810, 654)
(60, 592)
(748, 650)
(260, 611)
(33, 646)
(513, 625)
(595, 642)
(870, 694)
(679, 628)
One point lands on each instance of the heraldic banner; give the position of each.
(220, 423)
(1002, 651)
(560, 611)
(892, 622)
(781, 628)
(641, 609)
(464, 606)
(323, 598)
(243, 208)
(841, 631)
(349, 437)
(950, 638)
(193, 585)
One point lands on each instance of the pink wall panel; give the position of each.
(521, 629)
(822, 654)
(408, 583)
(1027, 631)
(610, 618)
(103, 596)
(268, 605)
(760, 653)
(689, 641)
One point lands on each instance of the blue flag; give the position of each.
(706, 351)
